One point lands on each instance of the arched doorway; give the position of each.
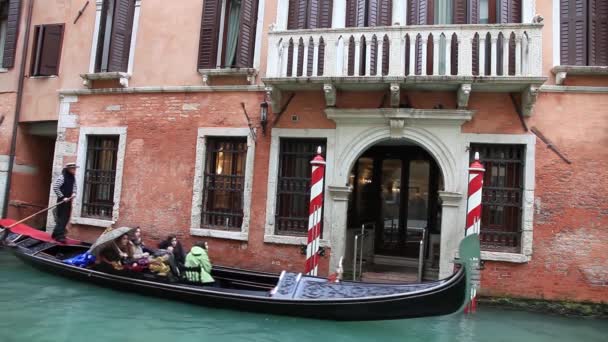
(395, 199)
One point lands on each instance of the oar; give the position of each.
(37, 213)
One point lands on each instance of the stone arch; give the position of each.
(426, 139)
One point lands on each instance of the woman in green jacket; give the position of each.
(198, 257)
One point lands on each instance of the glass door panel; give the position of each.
(417, 204)
(391, 230)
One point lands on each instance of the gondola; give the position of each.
(291, 294)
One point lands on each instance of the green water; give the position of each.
(36, 306)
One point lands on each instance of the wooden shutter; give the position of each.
(207, 48)
(50, 50)
(12, 31)
(372, 12)
(460, 12)
(120, 43)
(312, 17)
(301, 9)
(573, 32)
(473, 11)
(598, 32)
(385, 12)
(325, 13)
(351, 13)
(420, 12)
(509, 11)
(361, 16)
(247, 25)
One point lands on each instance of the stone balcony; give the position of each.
(460, 58)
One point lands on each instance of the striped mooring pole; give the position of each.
(473, 223)
(315, 210)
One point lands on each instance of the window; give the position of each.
(47, 50)
(227, 36)
(293, 188)
(584, 32)
(502, 196)
(114, 40)
(9, 27)
(224, 183)
(100, 176)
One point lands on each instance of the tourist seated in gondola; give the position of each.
(198, 266)
(140, 251)
(116, 254)
(172, 245)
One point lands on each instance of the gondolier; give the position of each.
(65, 189)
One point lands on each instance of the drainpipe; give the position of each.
(11, 159)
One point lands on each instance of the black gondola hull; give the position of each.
(441, 300)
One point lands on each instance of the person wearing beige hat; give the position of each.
(65, 189)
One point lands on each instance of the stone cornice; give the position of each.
(405, 115)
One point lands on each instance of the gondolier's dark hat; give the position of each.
(70, 166)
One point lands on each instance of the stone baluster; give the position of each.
(357, 67)
(284, 46)
(505, 54)
(315, 57)
(493, 64)
(305, 41)
(296, 50)
(482, 54)
(436, 42)
(518, 52)
(424, 38)
(412, 54)
(380, 56)
(448, 54)
(368, 55)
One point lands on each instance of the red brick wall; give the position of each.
(570, 234)
(159, 166)
(569, 258)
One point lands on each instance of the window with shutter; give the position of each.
(46, 51)
(584, 32)
(115, 30)
(227, 36)
(598, 32)
(11, 10)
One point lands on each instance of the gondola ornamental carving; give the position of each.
(313, 289)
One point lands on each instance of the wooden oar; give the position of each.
(37, 213)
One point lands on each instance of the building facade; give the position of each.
(205, 126)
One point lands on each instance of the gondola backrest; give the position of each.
(192, 274)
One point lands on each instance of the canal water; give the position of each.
(40, 307)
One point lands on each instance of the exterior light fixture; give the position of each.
(264, 116)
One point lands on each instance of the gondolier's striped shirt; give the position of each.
(57, 186)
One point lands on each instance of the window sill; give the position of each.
(122, 77)
(92, 222)
(515, 258)
(292, 240)
(250, 73)
(220, 234)
(42, 77)
(562, 71)
(2, 70)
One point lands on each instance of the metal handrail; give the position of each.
(356, 249)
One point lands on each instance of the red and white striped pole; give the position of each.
(473, 224)
(315, 211)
